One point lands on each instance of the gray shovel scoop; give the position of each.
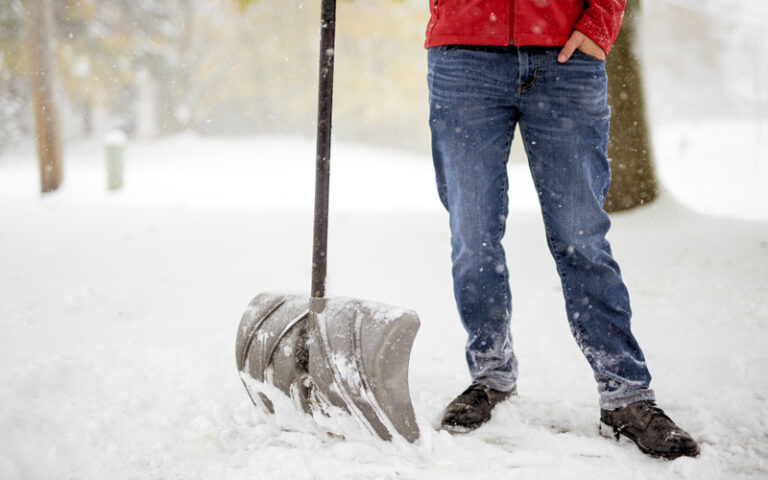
(322, 352)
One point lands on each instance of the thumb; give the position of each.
(570, 46)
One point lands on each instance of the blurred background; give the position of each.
(218, 67)
(214, 67)
(688, 84)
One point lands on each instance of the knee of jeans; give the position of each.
(475, 265)
(477, 226)
(577, 246)
(476, 255)
(578, 230)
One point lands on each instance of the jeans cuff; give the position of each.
(614, 400)
(500, 385)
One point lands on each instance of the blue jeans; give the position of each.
(477, 95)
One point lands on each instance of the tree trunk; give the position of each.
(633, 178)
(46, 121)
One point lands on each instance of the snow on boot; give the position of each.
(472, 408)
(650, 428)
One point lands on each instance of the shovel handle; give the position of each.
(323, 158)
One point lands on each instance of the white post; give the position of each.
(114, 143)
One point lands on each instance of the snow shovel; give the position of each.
(329, 353)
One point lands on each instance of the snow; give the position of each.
(119, 310)
(733, 185)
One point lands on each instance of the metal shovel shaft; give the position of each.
(323, 159)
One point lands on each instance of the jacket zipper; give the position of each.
(511, 18)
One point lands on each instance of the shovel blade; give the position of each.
(359, 354)
(339, 352)
(271, 348)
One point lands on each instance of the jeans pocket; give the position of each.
(585, 56)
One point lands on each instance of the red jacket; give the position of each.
(523, 22)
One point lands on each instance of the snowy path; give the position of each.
(118, 316)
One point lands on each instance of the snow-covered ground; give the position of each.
(118, 314)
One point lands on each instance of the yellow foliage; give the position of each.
(380, 73)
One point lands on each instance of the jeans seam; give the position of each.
(504, 206)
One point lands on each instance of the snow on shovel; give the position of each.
(325, 353)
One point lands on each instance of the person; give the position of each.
(539, 65)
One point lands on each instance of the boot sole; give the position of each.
(460, 429)
(606, 431)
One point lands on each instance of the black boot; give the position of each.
(650, 428)
(472, 408)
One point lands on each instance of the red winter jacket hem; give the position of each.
(538, 40)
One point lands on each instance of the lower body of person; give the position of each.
(478, 95)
